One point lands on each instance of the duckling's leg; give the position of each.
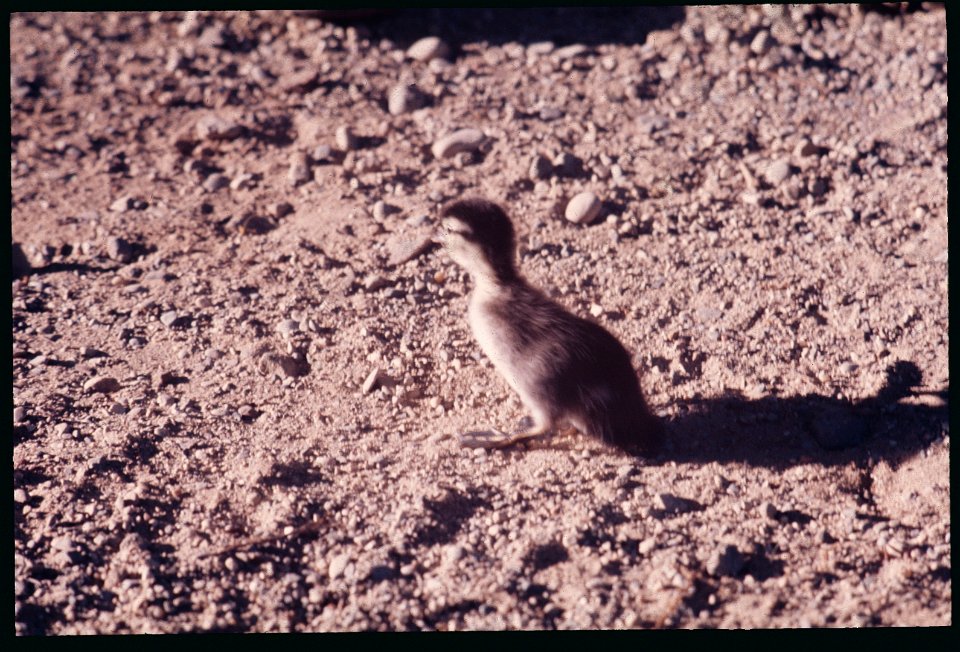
(497, 439)
(545, 428)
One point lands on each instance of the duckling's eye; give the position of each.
(456, 228)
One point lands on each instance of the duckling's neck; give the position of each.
(494, 282)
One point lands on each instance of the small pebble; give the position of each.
(540, 168)
(427, 48)
(241, 181)
(777, 172)
(345, 139)
(451, 553)
(122, 204)
(403, 99)
(761, 42)
(215, 182)
(119, 249)
(280, 209)
(568, 165)
(19, 414)
(211, 127)
(371, 381)
(725, 563)
(103, 384)
(374, 282)
(288, 327)
(168, 318)
(338, 565)
(583, 208)
(299, 171)
(674, 504)
(464, 140)
(322, 154)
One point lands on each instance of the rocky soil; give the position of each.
(240, 366)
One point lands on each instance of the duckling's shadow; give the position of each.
(781, 432)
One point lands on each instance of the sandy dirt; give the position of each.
(240, 368)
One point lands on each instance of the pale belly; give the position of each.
(494, 344)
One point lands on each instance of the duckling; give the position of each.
(565, 369)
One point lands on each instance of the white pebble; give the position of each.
(299, 169)
(345, 138)
(777, 172)
(584, 208)
(211, 127)
(427, 48)
(463, 140)
(337, 565)
(403, 99)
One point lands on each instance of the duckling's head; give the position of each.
(478, 236)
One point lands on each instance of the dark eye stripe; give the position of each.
(466, 235)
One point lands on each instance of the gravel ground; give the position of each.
(239, 366)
